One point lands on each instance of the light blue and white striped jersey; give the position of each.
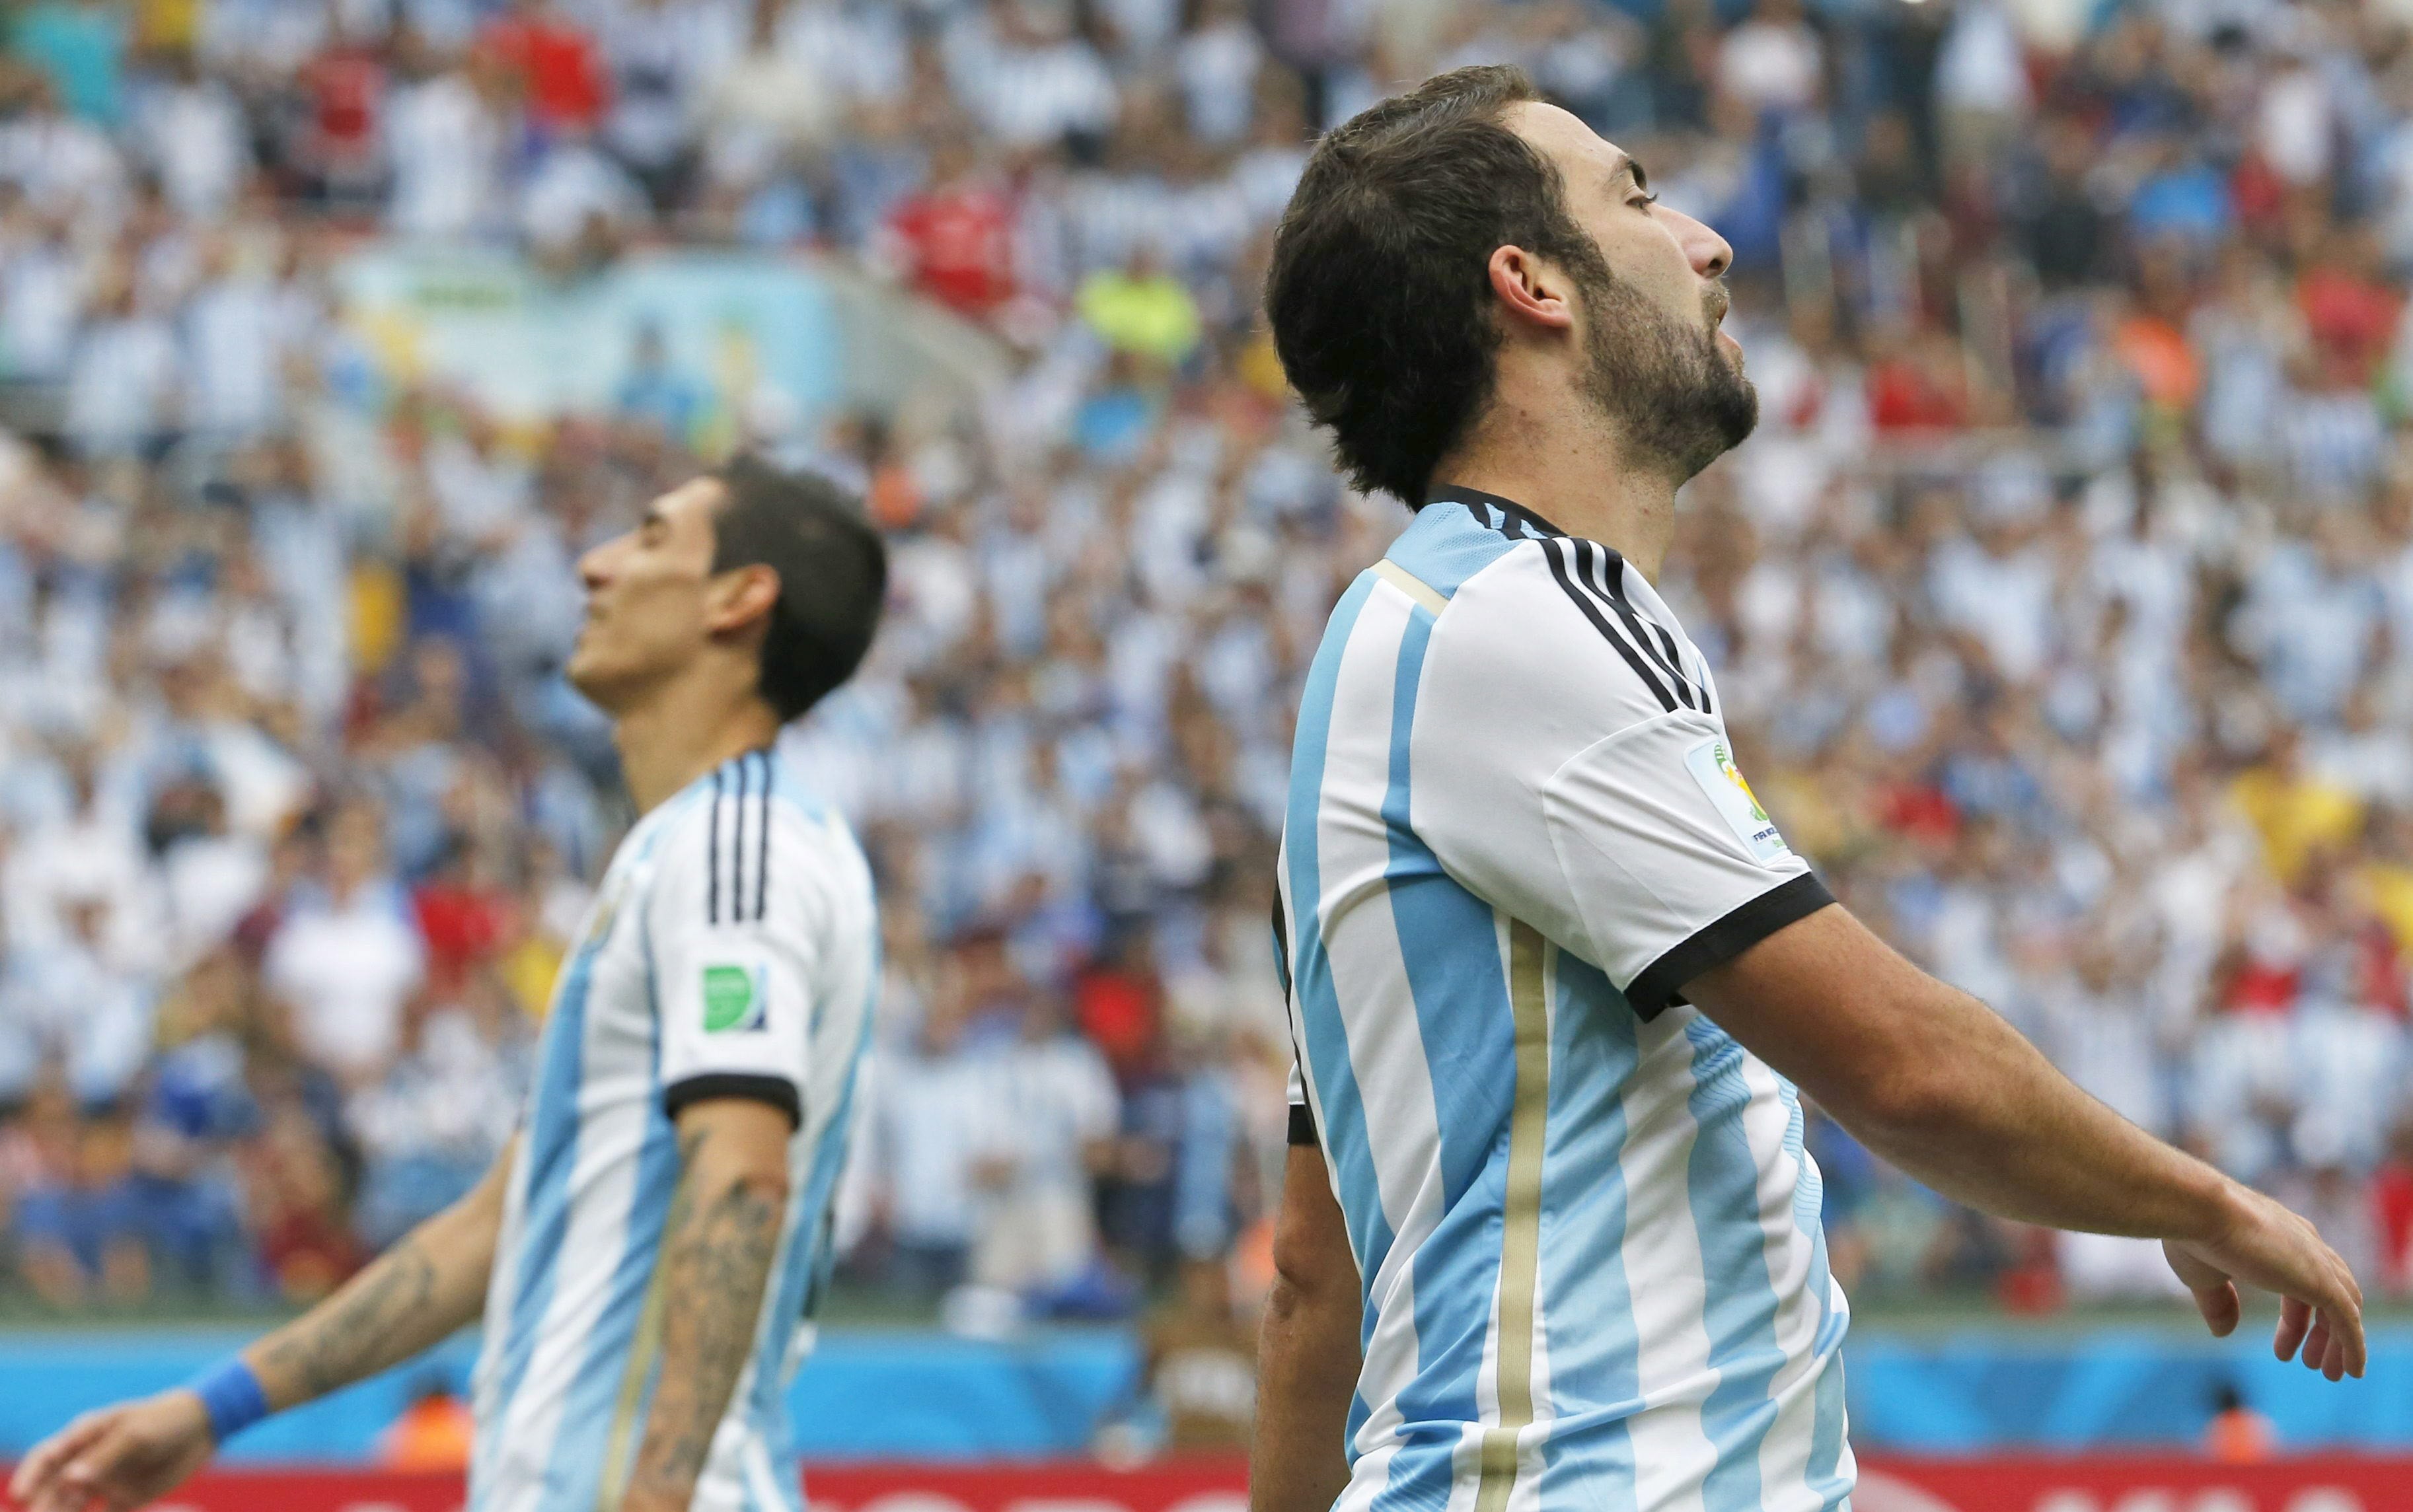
(731, 950)
(1589, 1234)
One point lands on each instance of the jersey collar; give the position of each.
(1509, 509)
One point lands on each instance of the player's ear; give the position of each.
(737, 599)
(1531, 290)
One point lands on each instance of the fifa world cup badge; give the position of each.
(1712, 766)
(733, 999)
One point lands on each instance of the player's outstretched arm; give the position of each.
(1936, 1083)
(1308, 1357)
(411, 1297)
(718, 1245)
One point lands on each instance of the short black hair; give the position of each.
(833, 575)
(1378, 292)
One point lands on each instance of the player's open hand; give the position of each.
(2320, 1305)
(118, 1458)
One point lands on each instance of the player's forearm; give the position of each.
(1994, 1125)
(1934, 1081)
(410, 1299)
(1307, 1363)
(718, 1245)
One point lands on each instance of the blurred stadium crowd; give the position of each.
(2063, 603)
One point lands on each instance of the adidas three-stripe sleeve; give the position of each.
(734, 951)
(1573, 767)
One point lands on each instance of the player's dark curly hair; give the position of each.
(1378, 293)
(833, 575)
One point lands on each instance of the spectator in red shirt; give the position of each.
(344, 135)
(953, 240)
(1119, 1002)
(2349, 311)
(559, 67)
(462, 913)
(1912, 385)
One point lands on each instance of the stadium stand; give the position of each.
(2076, 554)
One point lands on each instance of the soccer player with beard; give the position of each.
(1549, 1236)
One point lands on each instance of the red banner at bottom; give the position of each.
(2110, 1483)
(1987, 1484)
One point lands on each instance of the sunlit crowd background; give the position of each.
(2063, 605)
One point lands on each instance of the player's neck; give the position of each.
(1581, 484)
(670, 740)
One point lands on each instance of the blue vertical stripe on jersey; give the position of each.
(1448, 947)
(552, 1156)
(579, 1448)
(1827, 1477)
(1739, 1311)
(1327, 1040)
(1808, 1199)
(576, 1468)
(1448, 943)
(1825, 1466)
(796, 1282)
(805, 1257)
(1595, 1369)
(551, 1152)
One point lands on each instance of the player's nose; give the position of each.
(1704, 248)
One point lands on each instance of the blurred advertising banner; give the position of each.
(2003, 1483)
(692, 337)
(2110, 1483)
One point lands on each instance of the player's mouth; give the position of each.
(1715, 303)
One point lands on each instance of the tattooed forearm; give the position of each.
(354, 1334)
(430, 1284)
(718, 1245)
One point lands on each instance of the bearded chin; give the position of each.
(1729, 406)
(1677, 402)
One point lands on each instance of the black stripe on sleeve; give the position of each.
(754, 1086)
(1611, 581)
(1662, 983)
(1302, 1124)
(1676, 661)
(762, 844)
(1583, 600)
(712, 856)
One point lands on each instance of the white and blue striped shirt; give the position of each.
(731, 950)
(1589, 1234)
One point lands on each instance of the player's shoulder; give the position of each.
(1522, 612)
(1474, 550)
(750, 835)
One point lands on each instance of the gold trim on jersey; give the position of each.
(1520, 1235)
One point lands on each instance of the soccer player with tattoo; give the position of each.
(645, 1252)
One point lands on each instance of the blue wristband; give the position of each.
(232, 1396)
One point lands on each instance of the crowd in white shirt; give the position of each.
(2063, 603)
